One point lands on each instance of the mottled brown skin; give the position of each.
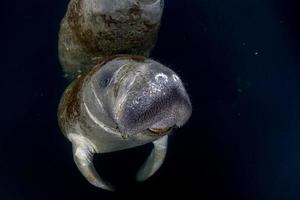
(82, 45)
(69, 106)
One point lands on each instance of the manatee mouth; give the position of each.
(159, 130)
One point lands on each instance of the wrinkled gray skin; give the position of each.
(124, 101)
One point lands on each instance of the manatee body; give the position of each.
(119, 98)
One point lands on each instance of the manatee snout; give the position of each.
(151, 97)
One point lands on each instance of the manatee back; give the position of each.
(93, 30)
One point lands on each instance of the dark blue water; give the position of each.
(240, 61)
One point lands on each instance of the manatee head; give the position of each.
(140, 94)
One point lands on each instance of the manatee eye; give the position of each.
(105, 80)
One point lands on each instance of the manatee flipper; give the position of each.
(83, 153)
(154, 160)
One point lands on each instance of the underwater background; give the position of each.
(240, 62)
